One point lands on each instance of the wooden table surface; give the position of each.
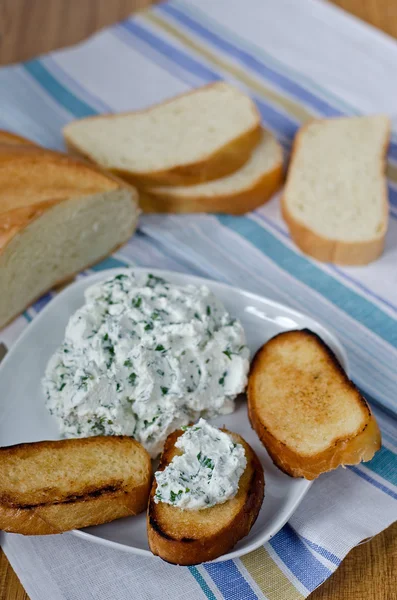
(28, 28)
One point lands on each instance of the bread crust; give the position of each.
(201, 545)
(12, 139)
(224, 161)
(349, 450)
(237, 203)
(108, 501)
(333, 250)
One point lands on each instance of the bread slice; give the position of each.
(205, 134)
(310, 417)
(51, 487)
(244, 190)
(335, 199)
(58, 216)
(189, 537)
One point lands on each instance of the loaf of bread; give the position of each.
(335, 198)
(51, 487)
(196, 137)
(242, 191)
(188, 537)
(307, 413)
(58, 215)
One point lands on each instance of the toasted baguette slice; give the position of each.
(205, 134)
(58, 215)
(335, 199)
(244, 190)
(310, 417)
(189, 537)
(51, 487)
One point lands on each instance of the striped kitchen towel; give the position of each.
(297, 60)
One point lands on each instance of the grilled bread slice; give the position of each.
(335, 198)
(189, 537)
(310, 417)
(51, 487)
(244, 190)
(202, 135)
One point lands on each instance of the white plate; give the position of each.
(24, 418)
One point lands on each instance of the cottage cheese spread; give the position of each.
(206, 473)
(143, 357)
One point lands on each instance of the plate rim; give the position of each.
(104, 274)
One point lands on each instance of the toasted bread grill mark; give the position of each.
(50, 487)
(194, 536)
(307, 413)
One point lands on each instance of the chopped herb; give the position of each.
(118, 387)
(110, 422)
(160, 372)
(228, 354)
(222, 379)
(155, 314)
(131, 400)
(132, 378)
(120, 277)
(174, 497)
(208, 310)
(153, 281)
(190, 390)
(207, 361)
(136, 303)
(128, 362)
(241, 347)
(65, 350)
(148, 326)
(106, 337)
(61, 387)
(164, 390)
(205, 461)
(197, 316)
(147, 423)
(159, 348)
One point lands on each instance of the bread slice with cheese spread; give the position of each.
(188, 537)
(310, 417)
(195, 137)
(51, 487)
(58, 215)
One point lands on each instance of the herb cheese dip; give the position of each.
(206, 473)
(144, 357)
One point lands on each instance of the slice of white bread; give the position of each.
(58, 215)
(51, 487)
(195, 137)
(310, 417)
(244, 190)
(335, 198)
(189, 537)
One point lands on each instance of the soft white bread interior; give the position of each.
(58, 216)
(310, 417)
(244, 190)
(195, 137)
(51, 487)
(188, 537)
(335, 198)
